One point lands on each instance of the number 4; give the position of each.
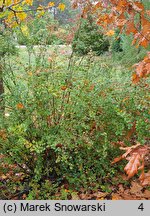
(141, 207)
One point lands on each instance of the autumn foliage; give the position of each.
(130, 17)
(135, 156)
(15, 12)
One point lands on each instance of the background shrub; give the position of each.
(116, 44)
(37, 31)
(89, 38)
(7, 43)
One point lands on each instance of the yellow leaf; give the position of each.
(10, 17)
(61, 6)
(25, 30)
(40, 8)
(40, 14)
(8, 2)
(110, 33)
(67, 191)
(21, 16)
(29, 2)
(51, 4)
(100, 198)
(16, 1)
(13, 24)
(30, 73)
(28, 144)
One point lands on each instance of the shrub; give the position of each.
(89, 38)
(67, 130)
(7, 43)
(39, 31)
(116, 45)
(129, 54)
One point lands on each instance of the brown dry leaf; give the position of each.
(57, 196)
(3, 177)
(85, 196)
(24, 196)
(136, 188)
(124, 177)
(15, 198)
(132, 166)
(135, 155)
(82, 190)
(100, 195)
(131, 131)
(145, 178)
(3, 134)
(128, 151)
(75, 196)
(121, 188)
(117, 159)
(82, 196)
(116, 196)
(147, 194)
(130, 197)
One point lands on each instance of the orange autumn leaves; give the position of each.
(135, 156)
(142, 69)
(29, 2)
(130, 17)
(110, 33)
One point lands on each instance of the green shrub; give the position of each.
(7, 44)
(66, 130)
(129, 54)
(89, 38)
(39, 31)
(116, 45)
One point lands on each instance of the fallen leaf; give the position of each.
(136, 188)
(100, 195)
(116, 196)
(147, 194)
(20, 106)
(121, 188)
(75, 196)
(3, 177)
(145, 178)
(24, 196)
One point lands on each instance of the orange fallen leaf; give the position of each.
(20, 106)
(63, 88)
